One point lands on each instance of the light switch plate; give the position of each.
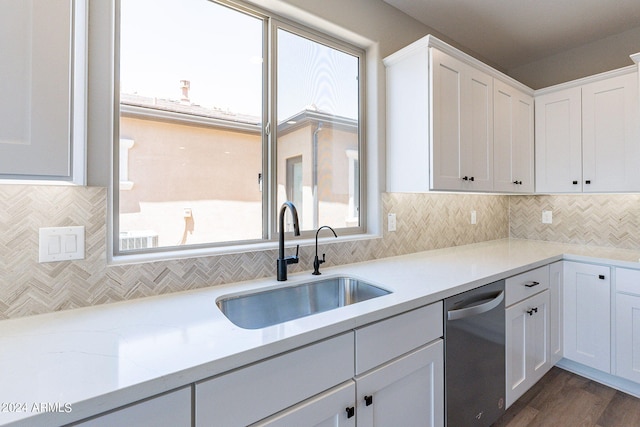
(61, 243)
(391, 222)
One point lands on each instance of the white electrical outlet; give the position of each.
(391, 222)
(547, 217)
(474, 218)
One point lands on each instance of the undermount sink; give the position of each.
(265, 308)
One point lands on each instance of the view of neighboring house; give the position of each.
(191, 174)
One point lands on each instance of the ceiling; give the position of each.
(512, 33)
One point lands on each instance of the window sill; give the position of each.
(171, 255)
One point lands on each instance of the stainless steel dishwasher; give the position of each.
(475, 356)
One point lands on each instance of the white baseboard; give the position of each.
(609, 380)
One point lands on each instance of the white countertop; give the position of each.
(99, 358)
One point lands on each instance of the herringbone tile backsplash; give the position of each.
(603, 220)
(424, 221)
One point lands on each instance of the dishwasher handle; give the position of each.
(474, 310)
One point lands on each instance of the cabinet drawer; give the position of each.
(257, 391)
(628, 281)
(390, 338)
(171, 410)
(526, 284)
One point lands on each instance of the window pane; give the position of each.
(318, 128)
(190, 124)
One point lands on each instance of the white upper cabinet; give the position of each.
(587, 135)
(462, 145)
(408, 116)
(559, 141)
(610, 135)
(440, 123)
(43, 82)
(512, 139)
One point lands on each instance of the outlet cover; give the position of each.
(547, 217)
(474, 218)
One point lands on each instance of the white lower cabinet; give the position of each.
(587, 314)
(390, 372)
(527, 344)
(168, 410)
(627, 328)
(250, 394)
(333, 408)
(407, 392)
(555, 312)
(528, 332)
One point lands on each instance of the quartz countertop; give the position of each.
(86, 361)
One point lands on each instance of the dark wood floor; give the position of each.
(562, 399)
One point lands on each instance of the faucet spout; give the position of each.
(282, 261)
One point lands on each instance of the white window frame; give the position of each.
(270, 232)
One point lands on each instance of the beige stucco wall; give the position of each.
(210, 171)
(171, 161)
(213, 173)
(333, 172)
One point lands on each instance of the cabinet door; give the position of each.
(334, 408)
(628, 336)
(527, 344)
(587, 311)
(448, 75)
(610, 137)
(477, 131)
(512, 139)
(169, 410)
(462, 148)
(406, 392)
(42, 108)
(558, 148)
(627, 327)
(555, 312)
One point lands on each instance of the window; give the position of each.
(219, 143)
(294, 182)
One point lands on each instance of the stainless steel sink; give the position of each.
(265, 308)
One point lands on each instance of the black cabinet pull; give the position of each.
(588, 181)
(532, 310)
(517, 182)
(351, 411)
(575, 182)
(465, 178)
(601, 277)
(471, 179)
(531, 284)
(368, 400)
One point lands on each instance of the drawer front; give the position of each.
(526, 284)
(380, 342)
(250, 394)
(171, 410)
(628, 281)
